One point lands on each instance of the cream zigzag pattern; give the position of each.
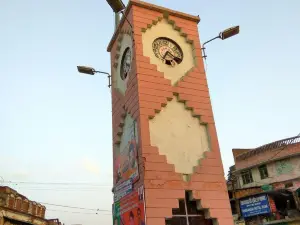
(172, 22)
(177, 28)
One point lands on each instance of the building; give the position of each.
(165, 144)
(264, 183)
(16, 209)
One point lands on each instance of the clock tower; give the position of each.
(167, 163)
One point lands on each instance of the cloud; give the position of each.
(91, 166)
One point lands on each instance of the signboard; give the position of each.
(128, 207)
(130, 210)
(125, 155)
(255, 206)
(267, 187)
(246, 192)
(122, 190)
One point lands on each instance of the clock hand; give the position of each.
(166, 53)
(176, 59)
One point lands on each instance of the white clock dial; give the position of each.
(168, 51)
(125, 63)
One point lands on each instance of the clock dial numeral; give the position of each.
(168, 51)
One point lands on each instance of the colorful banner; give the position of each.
(125, 157)
(272, 204)
(130, 210)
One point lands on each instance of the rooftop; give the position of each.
(267, 147)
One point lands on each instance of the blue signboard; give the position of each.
(255, 206)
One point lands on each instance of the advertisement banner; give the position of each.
(125, 155)
(130, 210)
(255, 206)
(122, 190)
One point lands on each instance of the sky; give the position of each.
(55, 124)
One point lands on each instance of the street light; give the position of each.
(92, 71)
(223, 35)
(116, 5)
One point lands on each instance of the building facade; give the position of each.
(272, 163)
(264, 183)
(16, 209)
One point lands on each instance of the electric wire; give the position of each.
(67, 206)
(57, 186)
(59, 189)
(54, 210)
(74, 207)
(59, 183)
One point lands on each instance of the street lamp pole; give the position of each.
(92, 71)
(223, 35)
(118, 7)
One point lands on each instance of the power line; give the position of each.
(74, 207)
(67, 188)
(54, 210)
(58, 183)
(59, 189)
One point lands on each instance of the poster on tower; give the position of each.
(130, 210)
(125, 154)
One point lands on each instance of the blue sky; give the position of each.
(55, 125)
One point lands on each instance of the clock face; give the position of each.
(125, 63)
(168, 51)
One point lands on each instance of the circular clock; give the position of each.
(167, 50)
(125, 63)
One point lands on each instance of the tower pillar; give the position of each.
(167, 162)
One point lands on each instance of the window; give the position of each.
(188, 214)
(263, 171)
(247, 177)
